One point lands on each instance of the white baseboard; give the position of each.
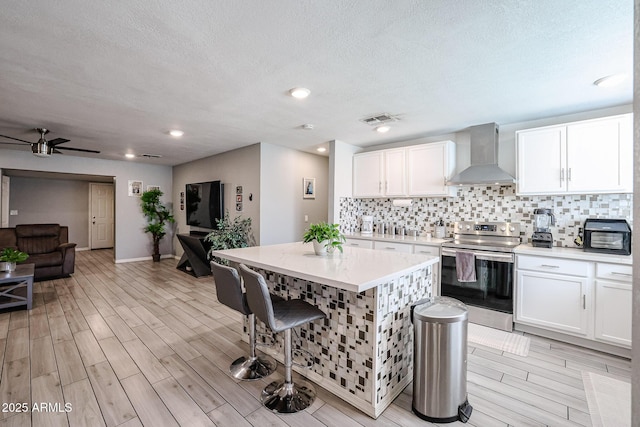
(82, 249)
(146, 258)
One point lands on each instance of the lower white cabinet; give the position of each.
(613, 301)
(359, 243)
(393, 246)
(587, 299)
(553, 301)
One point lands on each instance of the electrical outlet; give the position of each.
(306, 218)
(13, 212)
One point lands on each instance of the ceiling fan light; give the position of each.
(130, 155)
(176, 133)
(383, 129)
(41, 149)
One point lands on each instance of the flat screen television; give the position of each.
(204, 203)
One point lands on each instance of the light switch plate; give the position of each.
(13, 212)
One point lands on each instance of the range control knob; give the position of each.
(460, 226)
(512, 229)
(468, 227)
(503, 228)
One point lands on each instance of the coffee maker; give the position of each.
(543, 219)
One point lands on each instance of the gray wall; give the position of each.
(233, 168)
(130, 240)
(52, 201)
(282, 208)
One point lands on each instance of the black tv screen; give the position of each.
(204, 202)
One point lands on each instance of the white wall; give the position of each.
(340, 175)
(233, 168)
(130, 240)
(52, 201)
(282, 208)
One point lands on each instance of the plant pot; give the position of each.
(156, 257)
(319, 247)
(9, 266)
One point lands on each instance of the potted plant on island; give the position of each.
(158, 215)
(326, 238)
(10, 257)
(230, 234)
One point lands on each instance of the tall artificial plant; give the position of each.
(158, 215)
(230, 234)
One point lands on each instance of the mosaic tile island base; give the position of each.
(363, 350)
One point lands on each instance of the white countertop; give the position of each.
(572, 253)
(356, 269)
(417, 240)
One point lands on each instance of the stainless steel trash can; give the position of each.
(440, 360)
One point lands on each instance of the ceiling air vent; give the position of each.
(150, 156)
(379, 119)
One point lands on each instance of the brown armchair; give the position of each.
(47, 245)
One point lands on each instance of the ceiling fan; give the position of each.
(44, 148)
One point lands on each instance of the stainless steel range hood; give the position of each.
(484, 167)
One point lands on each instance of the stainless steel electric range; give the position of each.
(487, 248)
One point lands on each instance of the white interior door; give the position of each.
(101, 225)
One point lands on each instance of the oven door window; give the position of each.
(493, 288)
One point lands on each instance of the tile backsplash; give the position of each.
(490, 203)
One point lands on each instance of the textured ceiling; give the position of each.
(116, 76)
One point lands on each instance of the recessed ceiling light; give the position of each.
(176, 133)
(299, 92)
(610, 81)
(321, 149)
(383, 129)
(307, 126)
(129, 155)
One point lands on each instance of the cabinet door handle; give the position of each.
(386, 186)
(390, 248)
(355, 244)
(616, 273)
(549, 266)
(379, 185)
(584, 302)
(561, 174)
(425, 252)
(569, 174)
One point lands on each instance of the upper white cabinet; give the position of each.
(420, 170)
(592, 156)
(429, 167)
(379, 173)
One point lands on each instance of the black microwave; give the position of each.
(609, 236)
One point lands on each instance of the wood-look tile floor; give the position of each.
(145, 344)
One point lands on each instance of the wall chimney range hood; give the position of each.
(484, 167)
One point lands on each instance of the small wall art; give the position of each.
(135, 188)
(153, 187)
(308, 188)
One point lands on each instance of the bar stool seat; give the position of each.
(230, 293)
(281, 316)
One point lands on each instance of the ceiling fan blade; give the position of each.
(56, 151)
(57, 141)
(84, 150)
(15, 139)
(12, 143)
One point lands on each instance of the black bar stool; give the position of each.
(281, 316)
(229, 291)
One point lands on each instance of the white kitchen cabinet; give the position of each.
(379, 173)
(429, 167)
(613, 300)
(359, 243)
(393, 246)
(429, 250)
(547, 298)
(591, 156)
(368, 174)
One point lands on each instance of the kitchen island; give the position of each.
(363, 350)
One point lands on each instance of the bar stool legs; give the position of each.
(254, 367)
(287, 397)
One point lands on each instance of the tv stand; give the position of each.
(194, 260)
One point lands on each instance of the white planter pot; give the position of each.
(7, 266)
(319, 247)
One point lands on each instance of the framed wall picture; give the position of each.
(308, 188)
(153, 187)
(135, 188)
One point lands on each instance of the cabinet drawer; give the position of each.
(358, 243)
(614, 271)
(393, 247)
(553, 265)
(426, 250)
